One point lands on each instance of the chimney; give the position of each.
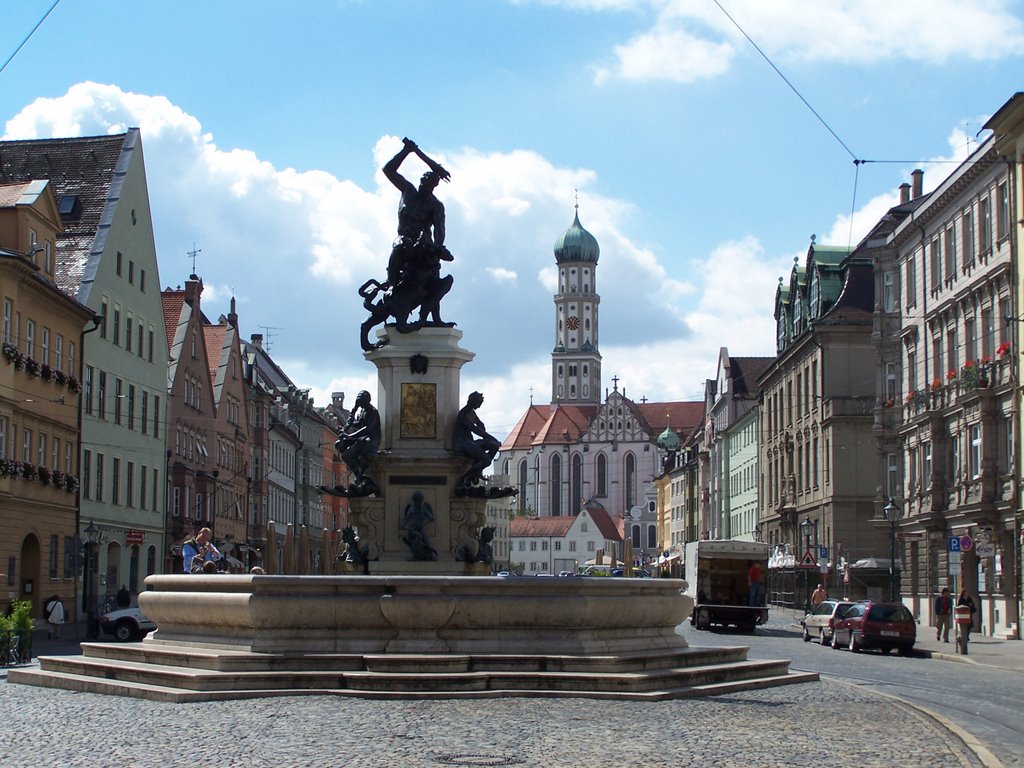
(904, 193)
(257, 340)
(193, 290)
(918, 179)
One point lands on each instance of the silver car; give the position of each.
(821, 620)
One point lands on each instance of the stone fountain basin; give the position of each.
(417, 614)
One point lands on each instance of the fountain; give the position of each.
(417, 614)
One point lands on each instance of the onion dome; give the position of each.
(668, 440)
(576, 244)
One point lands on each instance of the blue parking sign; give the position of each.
(954, 543)
(823, 553)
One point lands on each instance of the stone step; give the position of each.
(194, 657)
(188, 678)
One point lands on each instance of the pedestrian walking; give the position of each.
(818, 596)
(967, 600)
(754, 581)
(54, 613)
(943, 615)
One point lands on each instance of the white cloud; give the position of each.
(502, 275)
(688, 40)
(293, 246)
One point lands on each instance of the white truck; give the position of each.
(718, 579)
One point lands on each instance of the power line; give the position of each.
(29, 35)
(787, 82)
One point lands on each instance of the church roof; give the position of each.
(549, 425)
(566, 424)
(576, 244)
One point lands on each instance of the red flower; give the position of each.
(950, 375)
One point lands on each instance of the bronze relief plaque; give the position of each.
(419, 411)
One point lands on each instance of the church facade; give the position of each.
(588, 444)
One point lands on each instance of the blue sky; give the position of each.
(698, 169)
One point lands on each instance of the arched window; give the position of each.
(522, 483)
(602, 475)
(630, 481)
(576, 500)
(635, 535)
(652, 536)
(556, 485)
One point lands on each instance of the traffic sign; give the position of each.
(966, 542)
(807, 561)
(823, 553)
(954, 543)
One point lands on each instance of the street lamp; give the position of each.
(892, 516)
(805, 528)
(92, 537)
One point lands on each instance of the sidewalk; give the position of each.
(1004, 654)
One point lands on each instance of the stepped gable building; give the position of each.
(104, 257)
(231, 438)
(817, 450)
(40, 388)
(577, 449)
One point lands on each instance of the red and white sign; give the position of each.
(135, 537)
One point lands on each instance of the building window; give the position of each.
(129, 327)
(926, 465)
(974, 458)
(54, 555)
(602, 475)
(911, 280)
(129, 477)
(115, 481)
(131, 406)
(985, 225)
(117, 326)
(117, 400)
(1003, 210)
(935, 258)
(86, 474)
(103, 324)
(888, 292)
(99, 477)
(950, 247)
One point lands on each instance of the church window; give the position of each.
(560, 371)
(586, 323)
(522, 481)
(586, 371)
(630, 481)
(572, 390)
(602, 475)
(577, 483)
(556, 485)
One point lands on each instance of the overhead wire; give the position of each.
(29, 35)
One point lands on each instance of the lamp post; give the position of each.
(805, 528)
(92, 534)
(892, 516)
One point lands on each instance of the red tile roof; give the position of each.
(541, 526)
(173, 301)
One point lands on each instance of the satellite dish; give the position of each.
(635, 513)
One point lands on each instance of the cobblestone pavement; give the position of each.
(810, 724)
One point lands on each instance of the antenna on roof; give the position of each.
(267, 336)
(192, 255)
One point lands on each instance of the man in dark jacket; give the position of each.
(943, 615)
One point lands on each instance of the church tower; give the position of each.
(575, 360)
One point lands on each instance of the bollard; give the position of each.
(962, 617)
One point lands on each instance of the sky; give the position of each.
(704, 142)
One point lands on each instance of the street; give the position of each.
(983, 700)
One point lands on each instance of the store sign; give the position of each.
(135, 537)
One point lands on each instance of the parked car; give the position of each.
(876, 625)
(820, 622)
(126, 624)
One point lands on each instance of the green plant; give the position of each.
(21, 615)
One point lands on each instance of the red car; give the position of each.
(876, 625)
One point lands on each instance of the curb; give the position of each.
(972, 743)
